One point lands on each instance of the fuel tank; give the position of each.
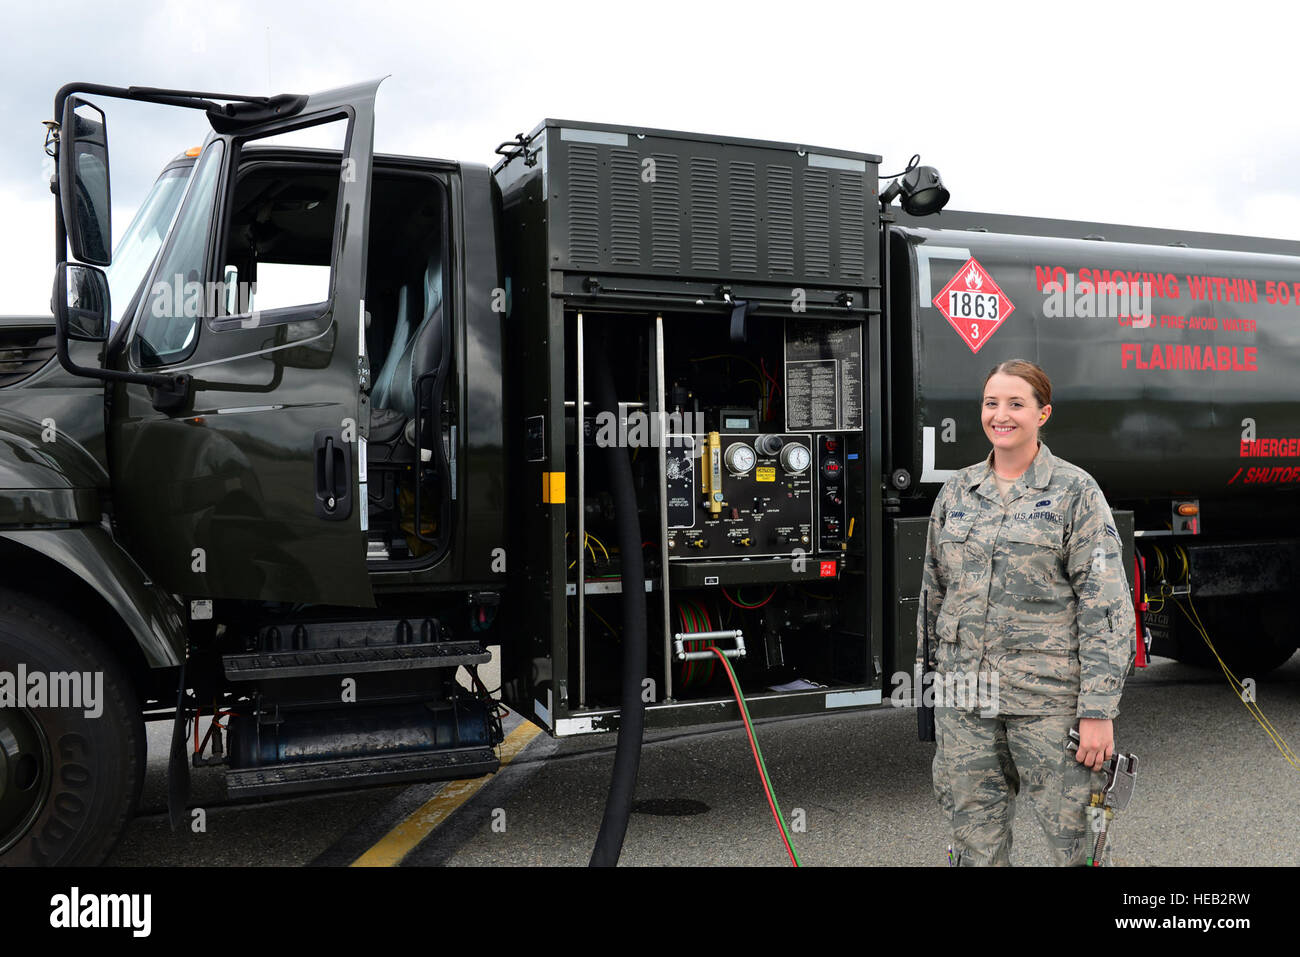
(1175, 368)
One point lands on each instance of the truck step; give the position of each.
(331, 661)
(338, 773)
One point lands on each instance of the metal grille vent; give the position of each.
(704, 214)
(744, 217)
(22, 352)
(817, 222)
(780, 219)
(624, 207)
(853, 250)
(666, 214)
(584, 205)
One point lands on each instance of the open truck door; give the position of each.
(236, 433)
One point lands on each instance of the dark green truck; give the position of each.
(334, 425)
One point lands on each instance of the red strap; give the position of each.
(1139, 606)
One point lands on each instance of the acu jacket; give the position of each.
(1032, 590)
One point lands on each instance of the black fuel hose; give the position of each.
(631, 725)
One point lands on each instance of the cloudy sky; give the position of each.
(1160, 115)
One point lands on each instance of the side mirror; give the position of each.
(83, 181)
(81, 311)
(81, 302)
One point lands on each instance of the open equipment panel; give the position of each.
(733, 289)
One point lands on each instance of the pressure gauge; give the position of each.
(795, 458)
(739, 458)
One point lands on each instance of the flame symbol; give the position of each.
(973, 278)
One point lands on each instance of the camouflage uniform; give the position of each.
(1031, 593)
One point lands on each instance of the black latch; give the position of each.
(333, 475)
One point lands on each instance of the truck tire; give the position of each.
(69, 781)
(1250, 633)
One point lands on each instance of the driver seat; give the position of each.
(417, 347)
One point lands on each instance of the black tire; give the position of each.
(72, 781)
(1252, 635)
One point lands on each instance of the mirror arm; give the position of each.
(60, 227)
(174, 384)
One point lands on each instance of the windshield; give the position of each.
(139, 245)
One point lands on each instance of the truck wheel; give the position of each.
(1251, 635)
(69, 781)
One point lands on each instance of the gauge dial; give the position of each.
(795, 458)
(739, 458)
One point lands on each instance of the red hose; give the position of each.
(753, 746)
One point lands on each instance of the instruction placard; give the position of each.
(823, 376)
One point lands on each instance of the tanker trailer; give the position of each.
(1174, 359)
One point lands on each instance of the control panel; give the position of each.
(831, 529)
(740, 495)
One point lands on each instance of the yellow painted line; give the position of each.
(401, 840)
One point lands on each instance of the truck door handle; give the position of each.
(333, 475)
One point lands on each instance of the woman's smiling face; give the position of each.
(1010, 413)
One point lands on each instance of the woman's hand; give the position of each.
(1096, 742)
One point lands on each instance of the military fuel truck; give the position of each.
(328, 429)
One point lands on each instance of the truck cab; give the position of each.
(245, 470)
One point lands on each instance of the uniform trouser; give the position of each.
(981, 764)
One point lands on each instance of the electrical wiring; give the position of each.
(694, 618)
(597, 615)
(600, 545)
(764, 402)
(1160, 578)
(587, 542)
(688, 667)
(775, 387)
(758, 757)
(740, 604)
(499, 710)
(1194, 617)
(776, 383)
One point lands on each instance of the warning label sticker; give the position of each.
(973, 304)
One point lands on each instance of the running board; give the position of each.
(333, 661)
(341, 773)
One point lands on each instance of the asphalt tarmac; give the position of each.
(1213, 789)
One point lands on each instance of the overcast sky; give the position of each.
(1158, 115)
